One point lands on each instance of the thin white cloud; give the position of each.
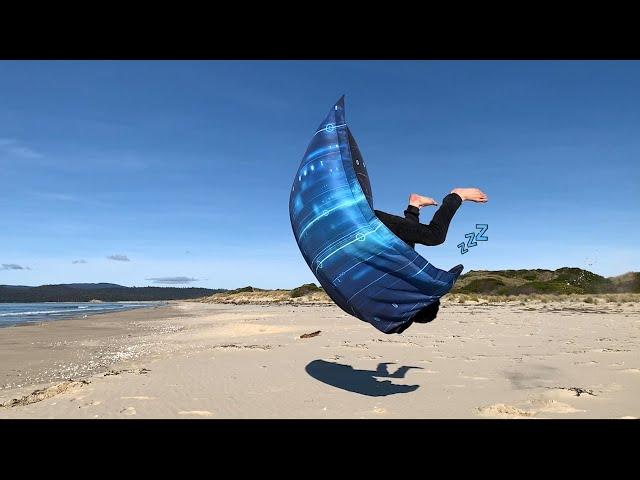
(14, 148)
(119, 258)
(56, 196)
(79, 261)
(66, 197)
(13, 266)
(173, 280)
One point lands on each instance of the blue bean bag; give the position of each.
(366, 269)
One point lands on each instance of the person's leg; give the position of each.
(394, 222)
(411, 231)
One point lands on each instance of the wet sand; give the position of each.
(193, 360)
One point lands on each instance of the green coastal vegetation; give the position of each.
(537, 285)
(539, 281)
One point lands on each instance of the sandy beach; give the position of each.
(194, 360)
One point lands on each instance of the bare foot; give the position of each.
(420, 201)
(471, 194)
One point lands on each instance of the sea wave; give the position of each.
(12, 314)
(38, 312)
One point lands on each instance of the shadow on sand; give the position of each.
(360, 381)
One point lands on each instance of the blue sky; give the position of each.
(151, 172)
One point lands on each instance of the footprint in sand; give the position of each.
(539, 404)
(502, 410)
(200, 413)
(129, 411)
(545, 405)
(379, 410)
(472, 377)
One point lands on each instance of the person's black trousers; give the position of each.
(411, 231)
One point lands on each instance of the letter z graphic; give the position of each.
(483, 227)
(471, 242)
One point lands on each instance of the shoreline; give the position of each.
(201, 360)
(79, 314)
(33, 353)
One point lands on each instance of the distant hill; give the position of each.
(107, 292)
(91, 286)
(562, 280)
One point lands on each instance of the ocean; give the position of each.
(21, 313)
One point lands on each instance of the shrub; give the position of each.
(484, 285)
(242, 290)
(304, 290)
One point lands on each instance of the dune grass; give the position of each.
(541, 298)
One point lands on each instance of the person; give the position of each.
(411, 231)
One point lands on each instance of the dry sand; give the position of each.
(194, 360)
